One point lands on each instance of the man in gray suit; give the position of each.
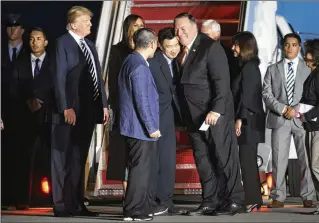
(282, 91)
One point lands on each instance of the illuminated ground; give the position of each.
(111, 212)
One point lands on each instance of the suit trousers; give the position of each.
(250, 174)
(312, 145)
(69, 151)
(280, 143)
(166, 149)
(140, 195)
(217, 161)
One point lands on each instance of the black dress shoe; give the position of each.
(62, 214)
(87, 213)
(201, 210)
(175, 210)
(230, 209)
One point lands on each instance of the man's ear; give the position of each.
(46, 42)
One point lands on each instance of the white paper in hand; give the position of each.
(303, 108)
(204, 127)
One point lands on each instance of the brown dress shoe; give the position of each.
(308, 204)
(276, 204)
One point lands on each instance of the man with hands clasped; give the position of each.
(282, 91)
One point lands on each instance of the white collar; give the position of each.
(294, 61)
(169, 61)
(76, 36)
(33, 58)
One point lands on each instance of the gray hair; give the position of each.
(144, 37)
(215, 26)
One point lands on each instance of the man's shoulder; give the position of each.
(63, 38)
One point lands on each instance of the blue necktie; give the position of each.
(37, 68)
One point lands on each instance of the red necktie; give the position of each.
(183, 55)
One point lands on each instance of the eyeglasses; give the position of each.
(308, 60)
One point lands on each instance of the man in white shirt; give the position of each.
(282, 91)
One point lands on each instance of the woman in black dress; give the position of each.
(310, 96)
(250, 116)
(116, 166)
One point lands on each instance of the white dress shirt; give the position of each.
(33, 59)
(169, 61)
(18, 47)
(294, 66)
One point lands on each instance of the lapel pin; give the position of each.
(194, 50)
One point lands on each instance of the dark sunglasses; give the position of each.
(308, 60)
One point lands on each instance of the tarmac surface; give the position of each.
(111, 211)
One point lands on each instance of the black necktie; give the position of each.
(37, 67)
(91, 69)
(14, 55)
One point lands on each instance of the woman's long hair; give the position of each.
(126, 27)
(248, 46)
(312, 47)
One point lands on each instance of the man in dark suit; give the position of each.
(139, 124)
(81, 103)
(205, 85)
(212, 29)
(12, 50)
(163, 68)
(32, 79)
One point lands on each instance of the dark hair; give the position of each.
(126, 26)
(143, 37)
(312, 47)
(248, 46)
(185, 15)
(292, 35)
(39, 30)
(165, 33)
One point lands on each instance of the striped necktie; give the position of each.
(91, 69)
(290, 83)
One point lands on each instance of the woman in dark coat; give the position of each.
(116, 166)
(310, 96)
(250, 116)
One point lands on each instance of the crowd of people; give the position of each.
(182, 76)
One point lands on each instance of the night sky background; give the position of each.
(49, 15)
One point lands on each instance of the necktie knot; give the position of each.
(290, 64)
(37, 61)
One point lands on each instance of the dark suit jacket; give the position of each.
(205, 80)
(164, 81)
(138, 99)
(41, 86)
(8, 92)
(310, 96)
(117, 56)
(250, 109)
(70, 69)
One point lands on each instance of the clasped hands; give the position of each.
(290, 112)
